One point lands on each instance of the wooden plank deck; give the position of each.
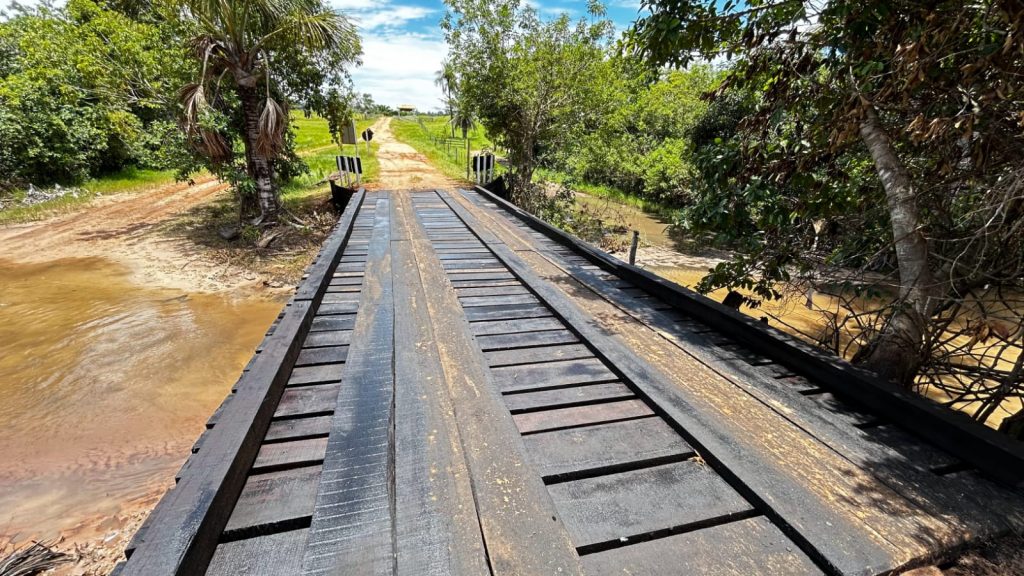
(452, 391)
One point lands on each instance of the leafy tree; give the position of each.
(532, 84)
(907, 111)
(84, 90)
(254, 55)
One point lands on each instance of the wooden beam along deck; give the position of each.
(456, 389)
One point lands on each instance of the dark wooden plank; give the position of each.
(530, 422)
(351, 529)
(273, 500)
(564, 397)
(546, 338)
(535, 355)
(338, 307)
(549, 374)
(748, 547)
(436, 527)
(319, 273)
(515, 511)
(272, 555)
(322, 374)
(307, 400)
(292, 454)
(468, 301)
(506, 312)
(334, 338)
(992, 452)
(617, 507)
(324, 355)
(460, 284)
(467, 276)
(490, 327)
(492, 290)
(336, 322)
(561, 453)
(294, 428)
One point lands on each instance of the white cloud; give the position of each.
(398, 68)
(391, 17)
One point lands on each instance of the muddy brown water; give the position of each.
(104, 386)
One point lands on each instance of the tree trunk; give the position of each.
(258, 166)
(896, 354)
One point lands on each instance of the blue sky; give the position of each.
(403, 45)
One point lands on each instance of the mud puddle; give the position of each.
(104, 386)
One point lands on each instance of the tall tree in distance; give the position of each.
(255, 56)
(533, 84)
(447, 80)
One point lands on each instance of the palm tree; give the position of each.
(236, 42)
(447, 80)
(463, 119)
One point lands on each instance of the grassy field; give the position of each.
(424, 139)
(312, 140)
(314, 145)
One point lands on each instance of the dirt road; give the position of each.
(401, 166)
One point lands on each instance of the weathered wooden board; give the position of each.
(617, 507)
(551, 374)
(279, 455)
(506, 312)
(604, 447)
(334, 338)
(307, 400)
(558, 418)
(750, 547)
(517, 517)
(295, 428)
(436, 528)
(564, 397)
(492, 327)
(546, 338)
(321, 374)
(274, 555)
(323, 355)
(534, 355)
(351, 528)
(272, 501)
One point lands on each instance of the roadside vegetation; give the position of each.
(433, 137)
(869, 151)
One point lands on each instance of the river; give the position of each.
(104, 386)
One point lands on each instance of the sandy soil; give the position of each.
(401, 166)
(131, 230)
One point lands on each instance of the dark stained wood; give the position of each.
(546, 338)
(351, 529)
(998, 456)
(272, 500)
(506, 312)
(293, 428)
(750, 547)
(292, 454)
(436, 527)
(469, 301)
(620, 506)
(562, 397)
(336, 322)
(307, 400)
(334, 338)
(322, 374)
(549, 374)
(561, 453)
(558, 418)
(324, 355)
(492, 290)
(273, 555)
(516, 514)
(491, 327)
(535, 355)
(319, 273)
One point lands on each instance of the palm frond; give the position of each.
(271, 126)
(194, 106)
(326, 30)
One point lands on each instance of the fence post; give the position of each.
(633, 245)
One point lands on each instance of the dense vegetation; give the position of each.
(869, 149)
(100, 87)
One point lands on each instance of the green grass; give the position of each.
(314, 145)
(409, 131)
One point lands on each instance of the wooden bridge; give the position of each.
(458, 388)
